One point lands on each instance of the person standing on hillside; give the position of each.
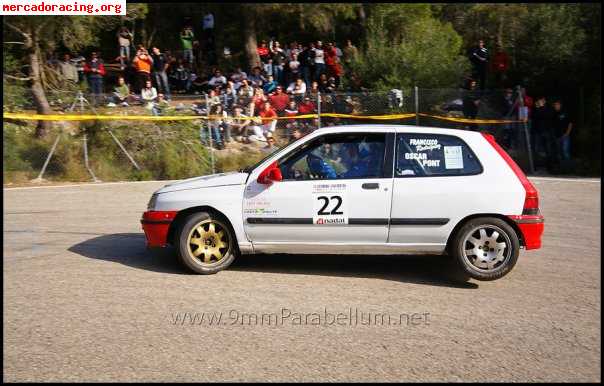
(479, 56)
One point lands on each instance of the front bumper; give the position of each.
(531, 228)
(156, 225)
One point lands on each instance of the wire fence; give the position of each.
(105, 137)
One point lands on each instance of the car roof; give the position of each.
(394, 129)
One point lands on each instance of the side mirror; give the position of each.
(269, 175)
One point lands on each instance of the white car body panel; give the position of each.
(239, 196)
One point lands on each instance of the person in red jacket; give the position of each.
(95, 70)
(263, 52)
(279, 100)
(306, 107)
(500, 66)
(334, 68)
(268, 115)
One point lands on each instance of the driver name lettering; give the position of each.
(423, 158)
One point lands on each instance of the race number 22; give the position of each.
(326, 202)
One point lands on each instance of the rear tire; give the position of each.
(206, 243)
(486, 248)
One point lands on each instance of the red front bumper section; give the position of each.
(156, 225)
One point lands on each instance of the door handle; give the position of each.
(372, 185)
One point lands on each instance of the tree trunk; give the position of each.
(37, 89)
(251, 43)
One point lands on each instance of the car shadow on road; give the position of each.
(129, 249)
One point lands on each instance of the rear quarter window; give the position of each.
(431, 155)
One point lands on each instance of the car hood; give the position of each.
(213, 180)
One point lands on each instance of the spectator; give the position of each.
(324, 84)
(124, 40)
(149, 96)
(217, 124)
(279, 59)
(292, 70)
(267, 117)
(237, 77)
(258, 99)
(307, 63)
(256, 79)
(142, 64)
(161, 105)
(332, 62)
(279, 101)
(542, 133)
(350, 53)
(239, 125)
(218, 80)
(270, 86)
(213, 98)
(183, 77)
(96, 71)
(207, 26)
(79, 61)
(500, 66)
(508, 111)
(480, 57)
(160, 65)
(246, 91)
(291, 111)
(186, 39)
(319, 60)
(470, 101)
(314, 88)
(121, 93)
(562, 129)
(229, 97)
(297, 89)
(268, 67)
(263, 52)
(67, 69)
(270, 143)
(307, 107)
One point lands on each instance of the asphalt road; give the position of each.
(84, 301)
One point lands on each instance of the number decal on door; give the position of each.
(326, 200)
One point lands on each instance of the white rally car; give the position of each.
(363, 189)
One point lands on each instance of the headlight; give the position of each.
(151, 204)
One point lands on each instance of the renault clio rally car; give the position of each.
(362, 189)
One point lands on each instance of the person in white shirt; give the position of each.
(297, 88)
(217, 80)
(148, 96)
(319, 60)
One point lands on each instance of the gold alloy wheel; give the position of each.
(209, 241)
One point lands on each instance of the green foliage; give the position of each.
(421, 50)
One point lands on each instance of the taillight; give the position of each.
(531, 199)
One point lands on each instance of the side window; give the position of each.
(337, 156)
(425, 155)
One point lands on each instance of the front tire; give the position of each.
(486, 248)
(206, 243)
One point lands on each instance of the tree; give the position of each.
(421, 50)
(38, 35)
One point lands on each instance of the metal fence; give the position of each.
(113, 148)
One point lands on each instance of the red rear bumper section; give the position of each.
(531, 228)
(156, 225)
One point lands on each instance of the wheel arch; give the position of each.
(183, 214)
(495, 215)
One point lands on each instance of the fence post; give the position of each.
(416, 106)
(209, 133)
(529, 148)
(318, 109)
